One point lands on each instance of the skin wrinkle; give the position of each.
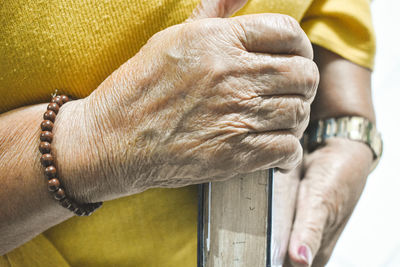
(240, 32)
(101, 145)
(205, 143)
(304, 78)
(57, 142)
(281, 110)
(159, 106)
(225, 105)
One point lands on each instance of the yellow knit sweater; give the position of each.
(75, 45)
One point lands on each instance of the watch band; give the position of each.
(353, 128)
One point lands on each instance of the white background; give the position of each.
(372, 236)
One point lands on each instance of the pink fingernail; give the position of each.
(305, 254)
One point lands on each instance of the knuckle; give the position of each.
(312, 79)
(307, 76)
(292, 30)
(238, 29)
(292, 153)
(217, 68)
(297, 111)
(333, 209)
(289, 20)
(293, 35)
(302, 115)
(293, 114)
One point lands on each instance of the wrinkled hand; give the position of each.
(201, 101)
(333, 179)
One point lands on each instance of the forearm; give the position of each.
(344, 88)
(26, 206)
(26, 209)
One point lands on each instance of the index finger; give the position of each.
(272, 33)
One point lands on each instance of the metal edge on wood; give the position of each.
(269, 218)
(200, 226)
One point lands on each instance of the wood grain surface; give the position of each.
(235, 221)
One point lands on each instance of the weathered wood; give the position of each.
(235, 222)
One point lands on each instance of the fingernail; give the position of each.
(305, 254)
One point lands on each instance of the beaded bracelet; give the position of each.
(48, 161)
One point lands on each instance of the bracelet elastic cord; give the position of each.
(48, 161)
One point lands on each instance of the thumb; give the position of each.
(309, 224)
(216, 9)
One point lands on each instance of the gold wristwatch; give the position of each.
(353, 128)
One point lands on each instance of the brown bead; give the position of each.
(47, 125)
(80, 212)
(54, 107)
(46, 136)
(73, 207)
(59, 194)
(49, 115)
(66, 203)
(58, 100)
(47, 160)
(53, 184)
(50, 172)
(94, 206)
(64, 98)
(44, 147)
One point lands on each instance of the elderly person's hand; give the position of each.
(333, 179)
(201, 101)
(334, 175)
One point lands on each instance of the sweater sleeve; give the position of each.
(343, 27)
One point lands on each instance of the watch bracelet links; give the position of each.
(351, 127)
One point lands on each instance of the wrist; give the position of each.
(78, 154)
(122, 129)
